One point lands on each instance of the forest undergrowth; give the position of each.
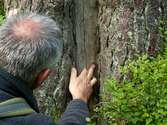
(140, 98)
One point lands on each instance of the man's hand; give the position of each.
(81, 86)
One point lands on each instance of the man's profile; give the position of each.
(30, 46)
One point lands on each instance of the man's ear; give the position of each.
(42, 76)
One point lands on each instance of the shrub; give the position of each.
(140, 100)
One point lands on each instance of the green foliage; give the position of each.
(55, 113)
(90, 121)
(140, 99)
(1, 19)
(163, 31)
(2, 12)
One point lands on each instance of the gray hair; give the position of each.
(25, 56)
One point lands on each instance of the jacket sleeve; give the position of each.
(75, 114)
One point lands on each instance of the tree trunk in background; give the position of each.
(107, 32)
(127, 28)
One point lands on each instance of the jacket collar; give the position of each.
(17, 88)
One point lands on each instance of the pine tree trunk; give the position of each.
(127, 29)
(108, 32)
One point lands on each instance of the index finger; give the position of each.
(73, 73)
(91, 71)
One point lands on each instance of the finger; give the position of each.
(93, 81)
(73, 73)
(91, 71)
(84, 73)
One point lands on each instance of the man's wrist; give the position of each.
(80, 98)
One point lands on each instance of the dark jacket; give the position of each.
(11, 87)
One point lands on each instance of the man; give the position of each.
(30, 46)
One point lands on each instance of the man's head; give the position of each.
(29, 45)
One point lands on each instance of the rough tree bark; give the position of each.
(127, 28)
(104, 31)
